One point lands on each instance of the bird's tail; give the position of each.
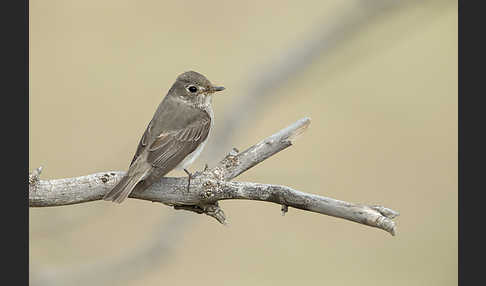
(121, 191)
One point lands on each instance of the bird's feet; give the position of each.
(188, 178)
(197, 173)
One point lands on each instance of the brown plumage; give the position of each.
(174, 137)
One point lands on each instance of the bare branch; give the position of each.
(211, 186)
(376, 216)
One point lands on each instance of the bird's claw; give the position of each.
(188, 178)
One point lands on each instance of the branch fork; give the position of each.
(212, 185)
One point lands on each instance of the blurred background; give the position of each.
(378, 78)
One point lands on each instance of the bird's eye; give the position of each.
(192, 89)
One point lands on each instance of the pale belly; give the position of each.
(192, 156)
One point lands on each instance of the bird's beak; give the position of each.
(217, 88)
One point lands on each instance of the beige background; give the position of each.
(383, 105)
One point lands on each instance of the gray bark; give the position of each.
(212, 185)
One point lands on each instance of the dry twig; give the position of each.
(212, 185)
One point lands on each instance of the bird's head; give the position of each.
(194, 87)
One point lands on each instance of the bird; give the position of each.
(174, 137)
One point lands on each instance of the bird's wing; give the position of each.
(171, 135)
(170, 148)
(143, 142)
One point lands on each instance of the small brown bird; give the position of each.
(174, 137)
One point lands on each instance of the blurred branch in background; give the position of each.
(115, 270)
(322, 41)
(63, 224)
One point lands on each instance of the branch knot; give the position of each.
(34, 177)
